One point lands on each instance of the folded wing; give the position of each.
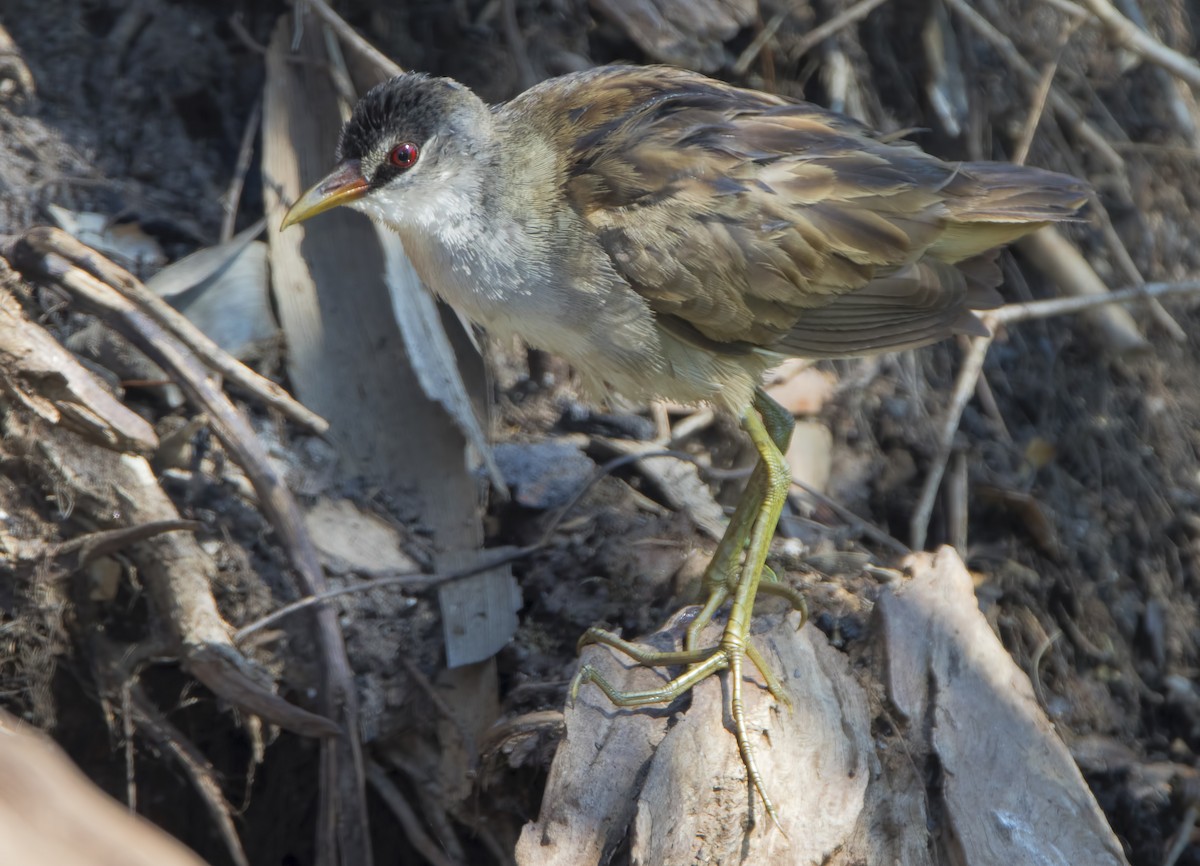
(750, 220)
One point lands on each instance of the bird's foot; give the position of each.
(728, 654)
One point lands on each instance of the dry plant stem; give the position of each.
(1128, 35)
(1183, 836)
(341, 766)
(51, 240)
(173, 566)
(112, 667)
(96, 544)
(1040, 94)
(245, 153)
(1010, 313)
(170, 740)
(1180, 105)
(817, 35)
(413, 831)
(973, 364)
(65, 394)
(751, 52)
(1065, 267)
(869, 529)
(412, 580)
(1125, 261)
(516, 44)
(1060, 104)
(423, 580)
(1069, 8)
(348, 35)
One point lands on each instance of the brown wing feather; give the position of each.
(755, 220)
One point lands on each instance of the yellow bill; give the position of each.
(344, 184)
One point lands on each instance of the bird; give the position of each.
(674, 237)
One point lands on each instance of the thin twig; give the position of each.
(410, 580)
(1061, 105)
(1024, 312)
(196, 767)
(1173, 89)
(1040, 94)
(1067, 7)
(972, 365)
(817, 35)
(1061, 263)
(863, 526)
(425, 580)
(113, 671)
(1128, 35)
(1035, 666)
(516, 44)
(1183, 836)
(1126, 263)
(245, 153)
(407, 817)
(91, 545)
(751, 52)
(348, 35)
(44, 239)
(341, 757)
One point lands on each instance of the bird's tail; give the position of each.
(991, 204)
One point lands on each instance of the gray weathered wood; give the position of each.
(1011, 792)
(676, 782)
(671, 781)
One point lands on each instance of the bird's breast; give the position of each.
(578, 310)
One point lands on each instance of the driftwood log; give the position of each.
(935, 751)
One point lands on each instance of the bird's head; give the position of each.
(412, 145)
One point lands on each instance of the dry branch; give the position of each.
(118, 492)
(169, 740)
(668, 781)
(1064, 267)
(45, 240)
(1061, 105)
(1128, 35)
(37, 373)
(679, 788)
(407, 816)
(973, 366)
(810, 40)
(350, 36)
(964, 387)
(342, 764)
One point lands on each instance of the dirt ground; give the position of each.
(1082, 465)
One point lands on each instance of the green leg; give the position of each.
(735, 573)
(722, 575)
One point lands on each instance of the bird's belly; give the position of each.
(610, 362)
(610, 337)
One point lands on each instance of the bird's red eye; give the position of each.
(404, 155)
